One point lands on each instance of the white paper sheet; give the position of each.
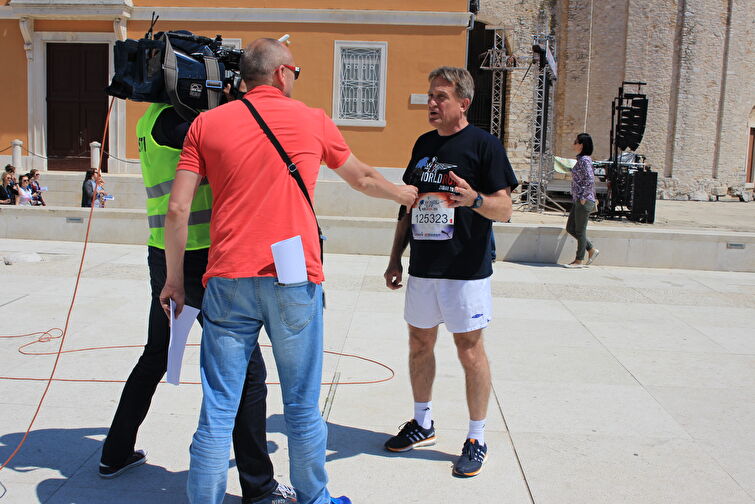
(289, 260)
(179, 332)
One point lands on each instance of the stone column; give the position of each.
(17, 155)
(739, 98)
(94, 153)
(690, 146)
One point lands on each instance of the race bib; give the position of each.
(431, 217)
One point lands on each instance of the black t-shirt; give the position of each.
(7, 194)
(454, 243)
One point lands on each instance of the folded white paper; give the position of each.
(179, 332)
(289, 261)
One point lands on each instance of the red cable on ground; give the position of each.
(43, 339)
(70, 308)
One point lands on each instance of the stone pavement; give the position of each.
(611, 385)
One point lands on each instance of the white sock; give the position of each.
(477, 431)
(423, 414)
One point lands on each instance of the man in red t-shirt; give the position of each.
(257, 203)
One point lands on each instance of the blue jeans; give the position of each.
(234, 310)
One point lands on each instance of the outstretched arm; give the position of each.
(368, 180)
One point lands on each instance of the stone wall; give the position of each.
(695, 55)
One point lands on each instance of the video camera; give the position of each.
(177, 67)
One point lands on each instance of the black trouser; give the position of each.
(249, 436)
(576, 225)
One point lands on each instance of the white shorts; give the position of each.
(463, 305)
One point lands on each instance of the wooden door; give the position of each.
(76, 103)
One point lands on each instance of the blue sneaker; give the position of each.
(340, 500)
(473, 456)
(411, 435)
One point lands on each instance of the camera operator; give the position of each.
(264, 205)
(161, 133)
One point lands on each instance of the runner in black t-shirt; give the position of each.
(465, 182)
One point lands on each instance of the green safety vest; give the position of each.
(158, 171)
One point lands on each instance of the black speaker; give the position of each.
(644, 184)
(631, 123)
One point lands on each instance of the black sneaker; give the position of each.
(473, 456)
(284, 494)
(136, 459)
(411, 435)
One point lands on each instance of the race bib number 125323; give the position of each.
(431, 217)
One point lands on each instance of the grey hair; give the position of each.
(459, 77)
(261, 58)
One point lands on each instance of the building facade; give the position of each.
(367, 68)
(360, 65)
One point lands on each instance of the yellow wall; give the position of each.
(414, 5)
(59, 25)
(412, 53)
(13, 100)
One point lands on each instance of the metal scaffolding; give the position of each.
(498, 61)
(495, 60)
(541, 154)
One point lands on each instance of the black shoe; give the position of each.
(136, 459)
(411, 435)
(473, 456)
(284, 494)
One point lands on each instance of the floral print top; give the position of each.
(583, 180)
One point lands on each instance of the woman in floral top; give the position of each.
(583, 196)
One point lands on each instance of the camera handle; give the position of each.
(213, 83)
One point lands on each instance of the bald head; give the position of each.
(261, 58)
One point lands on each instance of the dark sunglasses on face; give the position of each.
(294, 69)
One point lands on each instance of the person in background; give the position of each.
(7, 197)
(583, 197)
(23, 196)
(100, 193)
(10, 169)
(36, 189)
(88, 188)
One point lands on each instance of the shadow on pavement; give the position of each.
(345, 442)
(70, 452)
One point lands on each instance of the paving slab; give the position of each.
(610, 384)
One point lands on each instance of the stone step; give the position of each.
(332, 195)
(620, 246)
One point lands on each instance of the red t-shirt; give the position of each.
(256, 202)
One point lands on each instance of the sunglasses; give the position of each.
(294, 69)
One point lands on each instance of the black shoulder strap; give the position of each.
(292, 169)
